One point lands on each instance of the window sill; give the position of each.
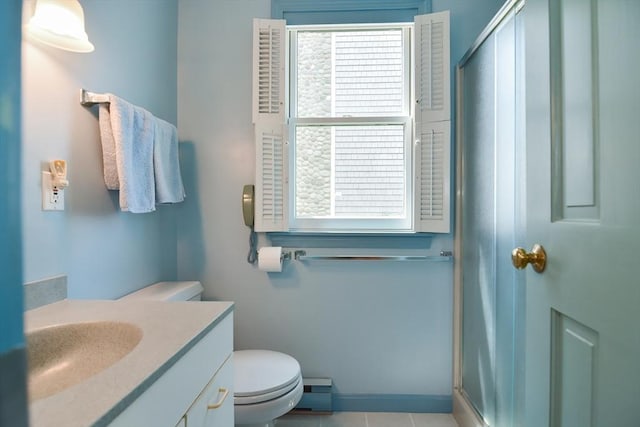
(391, 240)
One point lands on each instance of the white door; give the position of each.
(583, 206)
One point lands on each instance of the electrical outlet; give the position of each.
(52, 199)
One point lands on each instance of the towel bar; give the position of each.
(301, 255)
(89, 98)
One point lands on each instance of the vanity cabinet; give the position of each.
(214, 406)
(196, 391)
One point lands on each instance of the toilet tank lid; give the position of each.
(168, 291)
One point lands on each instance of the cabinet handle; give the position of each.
(225, 393)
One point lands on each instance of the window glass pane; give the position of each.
(350, 171)
(313, 171)
(314, 74)
(350, 73)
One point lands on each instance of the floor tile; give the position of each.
(433, 420)
(388, 419)
(368, 419)
(345, 419)
(337, 419)
(298, 421)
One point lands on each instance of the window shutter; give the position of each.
(433, 124)
(271, 185)
(433, 156)
(268, 69)
(269, 125)
(433, 73)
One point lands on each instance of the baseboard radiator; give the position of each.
(316, 398)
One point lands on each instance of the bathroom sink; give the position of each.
(64, 355)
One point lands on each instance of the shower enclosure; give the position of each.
(489, 293)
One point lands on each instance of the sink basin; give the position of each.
(64, 355)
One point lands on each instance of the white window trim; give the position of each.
(427, 119)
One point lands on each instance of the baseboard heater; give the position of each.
(316, 398)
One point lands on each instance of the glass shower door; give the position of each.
(491, 296)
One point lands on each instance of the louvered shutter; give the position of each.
(269, 124)
(433, 124)
(433, 155)
(433, 76)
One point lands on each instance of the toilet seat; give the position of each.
(263, 375)
(263, 414)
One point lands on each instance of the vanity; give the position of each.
(130, 363)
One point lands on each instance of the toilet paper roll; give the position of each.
(270, 259)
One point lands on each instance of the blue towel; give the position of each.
(133, 133)
(166, 163)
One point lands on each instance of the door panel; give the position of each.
(583, 344)
(573, 369)
(573, 78)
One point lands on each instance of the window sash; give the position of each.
(292, 60)
(362, 223)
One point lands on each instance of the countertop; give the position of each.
(170, 329)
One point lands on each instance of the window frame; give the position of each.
(432, 143)
(394, 224)
(348, 11)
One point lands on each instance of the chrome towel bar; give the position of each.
(301, 255)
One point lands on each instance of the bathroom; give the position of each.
(382, 332)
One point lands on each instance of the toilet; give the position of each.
(267, 384)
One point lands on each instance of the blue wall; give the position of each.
(468, 19)
(104, 252)
(375, 328)
(10, 252)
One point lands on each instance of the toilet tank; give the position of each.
(169, 291)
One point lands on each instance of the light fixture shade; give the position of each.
(60, 23)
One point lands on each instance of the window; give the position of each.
(361, 141)
(350, 127)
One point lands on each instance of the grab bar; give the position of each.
(301, 255)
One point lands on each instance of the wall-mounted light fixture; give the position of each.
(60, 23)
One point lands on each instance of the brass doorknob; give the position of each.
(537, 258)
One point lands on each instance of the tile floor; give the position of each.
(367, 419)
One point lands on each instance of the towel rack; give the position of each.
(301, 255)
(90, 98)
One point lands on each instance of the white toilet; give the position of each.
(267, 384)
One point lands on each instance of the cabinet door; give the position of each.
(214, 406)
